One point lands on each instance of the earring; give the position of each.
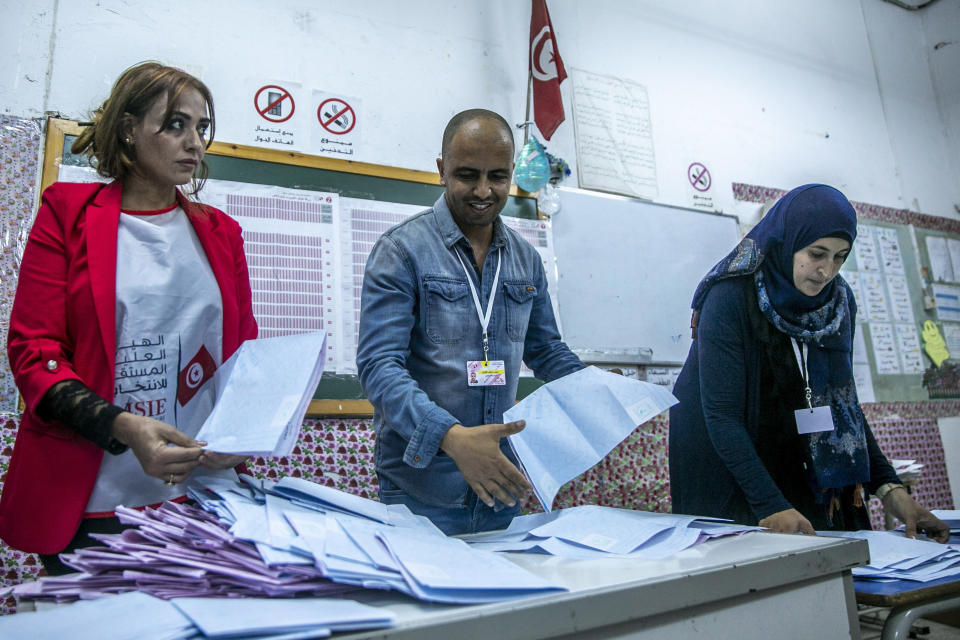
(129, 142)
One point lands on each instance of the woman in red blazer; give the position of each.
(80, 290)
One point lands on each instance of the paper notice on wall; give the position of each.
(664, 376)
(335, 125)
(275, 115)
(953, 248)
(290, 238)
(864, 381)
(885, 354)
(900, 302)
(874, 297)
(908, 344)
(891, 257)
(951, 335)
(853, 279)
(941, 265)
(865, 248)
(614, 136)
(947, 298)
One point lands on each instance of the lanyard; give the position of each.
(802, 363)
(484, 317)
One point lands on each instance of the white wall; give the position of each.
(849, 92)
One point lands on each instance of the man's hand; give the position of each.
(788, 521)
(476, 450)
(914, 517)
(149, 440)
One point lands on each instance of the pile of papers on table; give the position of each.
(290, 538)
(595, 532)
(139, 616)
(896, 557)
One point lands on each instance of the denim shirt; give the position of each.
(419, 327)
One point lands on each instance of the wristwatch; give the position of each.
(884, 489)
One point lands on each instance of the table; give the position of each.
(757, 585)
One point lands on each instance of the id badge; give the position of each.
(814, 420)
(486, 373)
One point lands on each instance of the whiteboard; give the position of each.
(627, 272)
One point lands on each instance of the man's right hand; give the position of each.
(476, 451)
(788, 521)
(149, 440)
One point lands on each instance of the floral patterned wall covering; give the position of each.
(339, 452)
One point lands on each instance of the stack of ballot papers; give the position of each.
(262, 392)
(576, 420)
(139, 616)
(595, 532)
(896, 557)
(290, 538)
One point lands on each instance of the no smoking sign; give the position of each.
(336, 116)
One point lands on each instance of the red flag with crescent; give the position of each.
(194, 375)
(547, 71)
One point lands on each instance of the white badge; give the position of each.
(491, 373)
(814, 420)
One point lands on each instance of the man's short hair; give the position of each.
(462, 118)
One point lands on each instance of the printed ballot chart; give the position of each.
(362, 224)
(291, 242)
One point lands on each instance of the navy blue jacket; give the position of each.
(734, 450)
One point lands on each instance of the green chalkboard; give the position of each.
(349, 179)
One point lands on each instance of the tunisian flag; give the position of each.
(547, 70)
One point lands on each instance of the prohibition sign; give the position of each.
(699, 176)
(338, 117)
(272, 104)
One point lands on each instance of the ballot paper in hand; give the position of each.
(573, 422)
(263, 390)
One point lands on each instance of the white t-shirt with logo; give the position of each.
(169, 325)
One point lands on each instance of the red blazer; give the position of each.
(63, 327)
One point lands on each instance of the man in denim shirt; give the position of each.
(429, 285)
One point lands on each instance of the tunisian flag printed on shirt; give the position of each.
(547, 70)
(191, 378)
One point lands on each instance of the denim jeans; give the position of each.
(470, 517)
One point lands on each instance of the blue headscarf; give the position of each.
(823, 322)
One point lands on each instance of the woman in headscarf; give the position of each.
(769, 430)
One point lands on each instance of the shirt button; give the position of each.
(416, 458)
(52, 365)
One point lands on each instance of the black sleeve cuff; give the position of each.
(74, 405)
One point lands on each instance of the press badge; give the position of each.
(490, 373)
(814, 420)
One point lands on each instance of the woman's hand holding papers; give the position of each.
(476, 451)
(151, 442)
(914, 517)
(214, 460)
(788, 521)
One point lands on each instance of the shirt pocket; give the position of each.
(518, 299)
(448, 309)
